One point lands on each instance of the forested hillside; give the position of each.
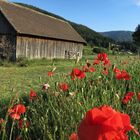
(119, 36)
(92, 37)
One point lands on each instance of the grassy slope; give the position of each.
(62, 114)
(15, 79)
(21, 79)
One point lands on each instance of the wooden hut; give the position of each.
(27, 33)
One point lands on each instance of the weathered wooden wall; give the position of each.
(31, 47)
(7, 47)
(7, 39)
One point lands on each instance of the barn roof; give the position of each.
(31, 22)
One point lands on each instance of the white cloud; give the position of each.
(137, 2)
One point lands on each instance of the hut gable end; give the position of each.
(5, 26)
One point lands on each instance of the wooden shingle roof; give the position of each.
(30, 22)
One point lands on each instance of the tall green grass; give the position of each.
(55, 114)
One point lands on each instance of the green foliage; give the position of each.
(87, 50)
(119, 36)
(99, 50)
(136, 35)
(92, 37)
(22, 62)
(6, 63)
(128, 46)
(1, 63)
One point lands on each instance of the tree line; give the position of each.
(133, 46)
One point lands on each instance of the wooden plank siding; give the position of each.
(32, 47)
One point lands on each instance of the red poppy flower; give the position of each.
(73, 136)
(16, 111)
(128, 97)
(104, 123)
(102, 56)
(106, 62)
(15, 116)
(96, 62)
(116, 70)
(125, 75)
(64, 86)
(88, 69)
(122, 75)
(91, 69)
(118, 76)
(81, 75)
(32, 95)
(138, 97)
(23, 123)
(77, 73)
(50, 73)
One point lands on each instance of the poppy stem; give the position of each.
(12, 130)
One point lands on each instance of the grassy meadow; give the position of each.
(55, 113)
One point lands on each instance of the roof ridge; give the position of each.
(37, 12)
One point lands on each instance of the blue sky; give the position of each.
(99, 15)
